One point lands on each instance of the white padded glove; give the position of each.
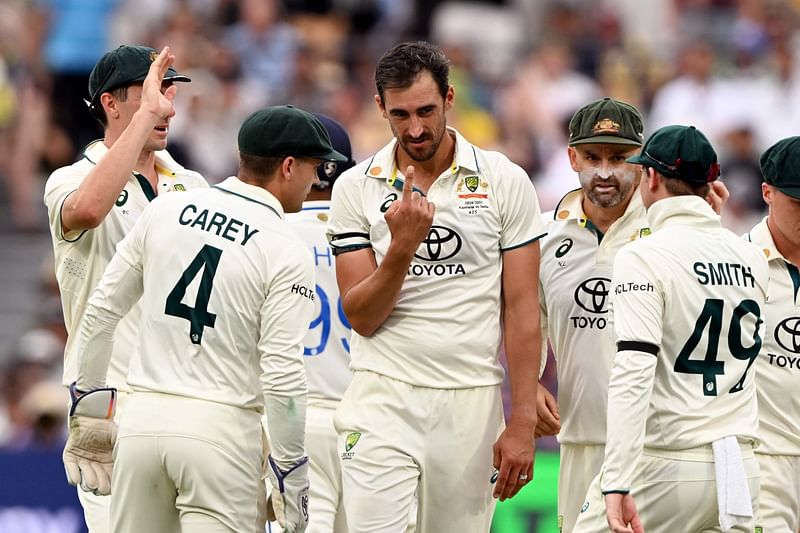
(87, 456)
(288, 503)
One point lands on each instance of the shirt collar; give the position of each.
(165, 164)
(682, 210)
(382, 165)
(251, 192)
(761, 237)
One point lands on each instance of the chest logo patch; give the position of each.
(441, 244)
(787, 334)
(122, 199)
(591, 295)
(564, 246)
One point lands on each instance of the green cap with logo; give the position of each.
(280, 131)
(681, 152)
(607, 121)
(125, 66)
(780, 166)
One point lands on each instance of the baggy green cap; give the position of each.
(280, 131)
(681, 152)
(780, 166)
(124, 66)
(607, 121)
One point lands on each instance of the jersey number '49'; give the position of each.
(709, 367)
(198, 316)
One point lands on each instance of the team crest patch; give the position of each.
(472, 183)
(351, 440)
(644, 232)
(585, 506)
(606, 125)
(475, 198)
(153, 56)
(178, 187)
(758, 529)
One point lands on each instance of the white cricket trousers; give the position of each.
(325, 508)
(674, 491)
(188, 465)
(780, 493)
(396, 440)
(578, 465)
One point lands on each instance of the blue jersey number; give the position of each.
(322, 322)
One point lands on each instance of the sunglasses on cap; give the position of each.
(688, 168)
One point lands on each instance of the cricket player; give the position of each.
(95, 202)
(589, 227)
(434, 240)
(777, 371)
(687, 307)
(326, 345)
(227, 294)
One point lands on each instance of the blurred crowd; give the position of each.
(520, 70)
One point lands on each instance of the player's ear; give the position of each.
(381, 106)
(766, 193)
(288, 166)
(449, 98)
(572, 153)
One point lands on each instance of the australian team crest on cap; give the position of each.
(605, 125)
(153, 55)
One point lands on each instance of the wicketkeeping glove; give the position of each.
(92, 432)
(288, 503)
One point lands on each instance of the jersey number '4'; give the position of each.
(709, 367)
(198, 316)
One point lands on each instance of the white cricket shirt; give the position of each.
(575, 278)
(327, 343)
(687, 303)
(778, 368)
(227, 294)
(82, 256)
(444, 331)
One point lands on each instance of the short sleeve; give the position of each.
(348, 226)
(60, 184)
(520, 215)
(637, 300)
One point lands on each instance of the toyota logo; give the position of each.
(787, 334)
(591, 295)
(440, 245)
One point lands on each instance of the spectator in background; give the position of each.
(266, 46)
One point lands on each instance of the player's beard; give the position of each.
(425, 153)
(620, 180)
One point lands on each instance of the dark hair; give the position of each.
(257, 169)
(400, 67)
(96, 108)
(679, 187)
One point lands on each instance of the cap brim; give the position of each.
(333, 155)
(606, 139)
(176, 77)
(639, 159)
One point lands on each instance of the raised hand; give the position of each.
(153, 100)
(410, 217)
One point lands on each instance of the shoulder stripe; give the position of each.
(638, 346)
(340, 236)
(616, 492)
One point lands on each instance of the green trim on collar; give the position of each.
(147, 189)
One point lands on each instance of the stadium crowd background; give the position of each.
(520, 69)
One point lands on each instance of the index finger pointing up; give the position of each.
(408, 184)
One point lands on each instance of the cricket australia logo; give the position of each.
(472, 183)
(349, 443)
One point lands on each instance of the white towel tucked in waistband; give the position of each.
(733, 493)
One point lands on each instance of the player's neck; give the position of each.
(603, 217)
(146, 166)
(426, 172)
